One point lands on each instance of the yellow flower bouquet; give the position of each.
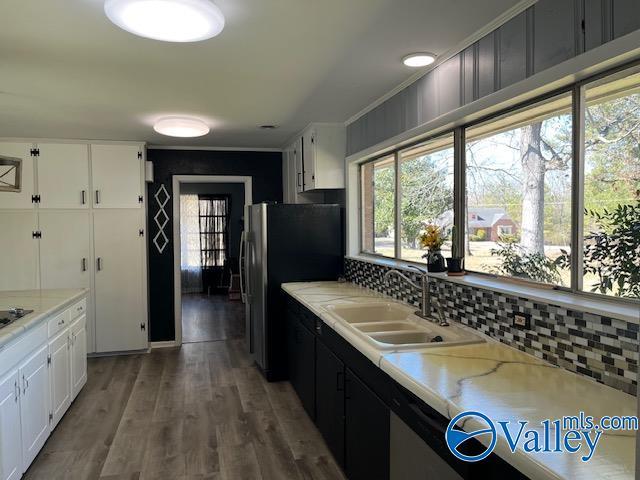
(432, 238)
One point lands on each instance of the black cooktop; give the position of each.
(11, 315)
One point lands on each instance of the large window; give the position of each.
(518, 205)
(378, 188)
(611, 224)
(426, 194)
(547, 193)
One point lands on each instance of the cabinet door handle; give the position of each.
(347, 382)
(97, 197)
(25, 384)
(299, 182)
(16, 390)
(83, 196)
(99, 263)
(339, 382)
(84, 264)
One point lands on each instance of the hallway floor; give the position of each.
(207, 318)
(199, 412)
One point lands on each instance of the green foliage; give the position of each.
(517, 262)
(426, 193)
(613, 251)
(384, 194)
(479, 236)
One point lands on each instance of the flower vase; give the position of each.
(435, 262)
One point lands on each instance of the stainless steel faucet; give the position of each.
(425, 311)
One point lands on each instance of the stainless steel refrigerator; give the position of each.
(284, 243)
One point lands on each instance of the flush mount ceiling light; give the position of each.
(421, 59)
(181, 127)
(167, 20)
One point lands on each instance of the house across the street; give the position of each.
(495, 222)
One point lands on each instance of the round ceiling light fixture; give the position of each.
(167, 20)
(181, 127)
(420, 59)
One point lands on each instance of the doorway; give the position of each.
(208, 224)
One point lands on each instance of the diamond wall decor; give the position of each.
(161, 241)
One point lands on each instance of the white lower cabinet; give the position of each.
(41, 372)
(34, 404)
(10, 439)
(60, 375)
(78, 340)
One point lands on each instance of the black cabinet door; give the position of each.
(330, 400)
(366, 432)
(303, 368)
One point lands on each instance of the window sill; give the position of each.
(622, 311)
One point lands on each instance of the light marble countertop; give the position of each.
(497, 380)
(42, 302)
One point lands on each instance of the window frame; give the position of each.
(576, 90)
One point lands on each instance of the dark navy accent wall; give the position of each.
(265, 168)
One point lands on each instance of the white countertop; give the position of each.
(497, 380)
(42, 302)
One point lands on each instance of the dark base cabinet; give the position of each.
(366, 432)
(351, 401)
(330, 400)
(301, 355)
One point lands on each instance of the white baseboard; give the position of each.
(169, 344)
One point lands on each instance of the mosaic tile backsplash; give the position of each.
(603, 348)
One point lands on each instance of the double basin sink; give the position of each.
(391, 326)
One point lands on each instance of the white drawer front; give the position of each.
(78, 309)
(58, 323)
(16, 351)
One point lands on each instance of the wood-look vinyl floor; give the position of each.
(199, 412)
(209, 318)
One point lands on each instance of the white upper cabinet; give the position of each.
(65, 249)
(63, 175)
(299, 165)
(324, 150)
(116, 172)
(19, 250)
(21, 199)
(318, 155)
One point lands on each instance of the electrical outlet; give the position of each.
(521, 320)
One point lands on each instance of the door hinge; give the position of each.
(50, 417)
(140, 199)
(36, 234)
(35, 152)
(143, 326)
(35, 198)
(139, 154)
(141, 232)
(49, 359)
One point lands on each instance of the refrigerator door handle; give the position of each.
(241, 266)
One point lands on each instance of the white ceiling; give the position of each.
(67, 72)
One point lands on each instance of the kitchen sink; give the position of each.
(385, 326)
(391, 326)
(372, 312)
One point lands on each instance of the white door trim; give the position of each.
(177, 279)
